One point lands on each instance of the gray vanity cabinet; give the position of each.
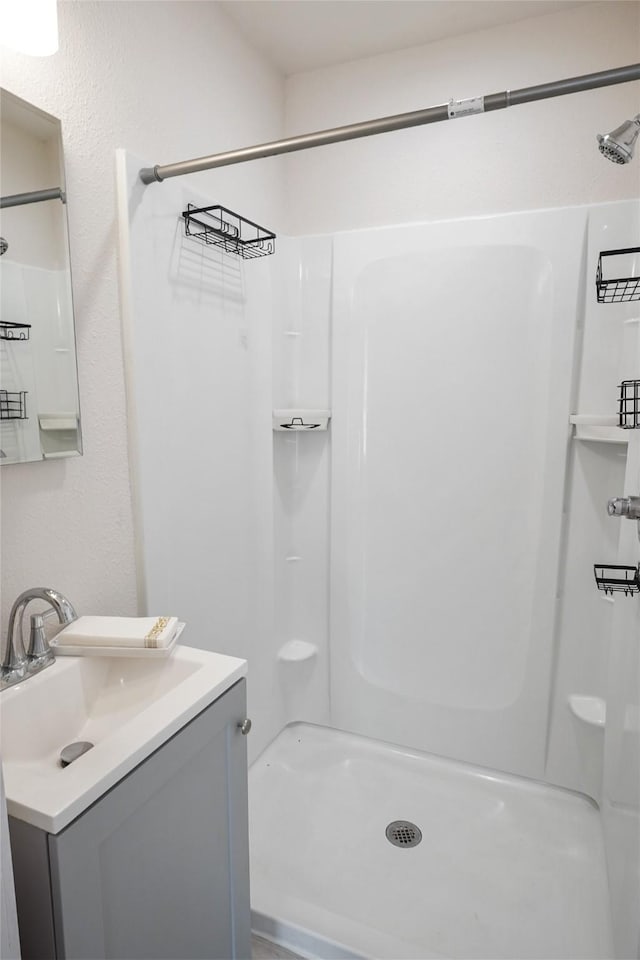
(159, 866)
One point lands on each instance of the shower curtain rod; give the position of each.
(35, 196)
(400, 121)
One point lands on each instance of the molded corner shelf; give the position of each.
(297, 651)
(598, 428)
(591, 710)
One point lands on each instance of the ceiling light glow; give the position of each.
(29, 26)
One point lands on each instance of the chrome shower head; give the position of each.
(4, 246)
(618, 145)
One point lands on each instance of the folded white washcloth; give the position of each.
(119, 632)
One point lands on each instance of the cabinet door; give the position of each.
(159, 866)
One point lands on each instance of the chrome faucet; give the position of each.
(18, 664)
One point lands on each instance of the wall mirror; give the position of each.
(39, 404)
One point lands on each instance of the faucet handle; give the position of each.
(624, 507)
(39, 652)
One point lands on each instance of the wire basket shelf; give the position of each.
(629, 404)
(219, 227)
(621, 289)
(617, 578)
(13, 405)
(14, 331)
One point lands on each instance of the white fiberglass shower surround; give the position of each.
(413, 587)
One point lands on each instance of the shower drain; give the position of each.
(403, 833)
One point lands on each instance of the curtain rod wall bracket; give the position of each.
(150, 175)
(401, 121)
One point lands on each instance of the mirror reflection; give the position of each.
(39, 405)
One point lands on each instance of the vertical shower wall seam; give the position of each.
(578, 347)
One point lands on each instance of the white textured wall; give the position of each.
(168, 81)
(535, 155)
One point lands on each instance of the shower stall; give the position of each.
(458, 518)
(445, 742)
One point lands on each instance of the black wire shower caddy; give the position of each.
(13, 405)
(617, 578)
(219, 227)
(14, 331)
(617, 289)
(629, 404)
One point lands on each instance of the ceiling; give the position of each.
(299, 35)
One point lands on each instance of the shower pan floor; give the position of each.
(507, 867)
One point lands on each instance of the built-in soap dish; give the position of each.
(602, 428)
(297, 651)
(589, 709)
(309, 421)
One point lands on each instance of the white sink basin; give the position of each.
(125, 707)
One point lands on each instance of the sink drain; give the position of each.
(72, 751)
(403, 833)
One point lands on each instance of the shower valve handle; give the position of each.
(628, 507)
